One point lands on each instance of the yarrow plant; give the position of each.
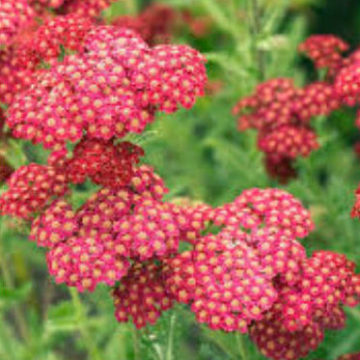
(78, 88)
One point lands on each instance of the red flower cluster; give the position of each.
(295, 324)
(325, 51)
(83, 8)
(13, 78)
(106, 164)
(112, 88)
(45, 43)
(14, 15)
(31, 188)
(282, 113)
(141, 295)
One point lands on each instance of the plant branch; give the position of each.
(9, 283)
(255, 28)
(170, 343)
(136, 343)
(241, 346)
(83, 328)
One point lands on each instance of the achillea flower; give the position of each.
(228, 277)
(307, 307)
(281, 112)
(317, 98)
(273, 209)
(85, 261)
(192, 218)
(223, 280)
(111, 89)
(150, 230)
(288, 141)
(54, 225)
(85, 8)
(141, 295)
(46, 41)
(147, 183)
(325, 51)
(106, 164)
(14, 15)
(31, 189)
(276, 342)
(269, 106)
(347, 84)
(13, 78)
(96, 243)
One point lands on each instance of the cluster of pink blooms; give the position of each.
(14, 15)
(281, 113)
(244, 269)
(111, 88)
(325, 51)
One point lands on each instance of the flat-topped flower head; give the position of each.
(276, 342)
(281, 112)
(14, 16)
(113, 87)
(30, 189)
(150, 230)
(85, 8)
(223, 281)
(107, 164)
(13, 78)
(272, 209)
(288, 141)
(308, 306)
(57, 223)
(347, 84)
(141, 295)
(270, 105)
(84, 262)
(47, 41)
(192, 217)
(326, 51)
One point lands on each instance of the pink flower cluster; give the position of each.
(14, 15)
(83, 8)
(325, 51)
(281, 113)
(314, 303)
(112, 88)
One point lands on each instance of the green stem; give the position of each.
(170, 343)
(9, 283)
(255, 28)
(136, 342)
(83, 328)
(241, 346)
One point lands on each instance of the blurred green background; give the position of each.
(200, 154)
